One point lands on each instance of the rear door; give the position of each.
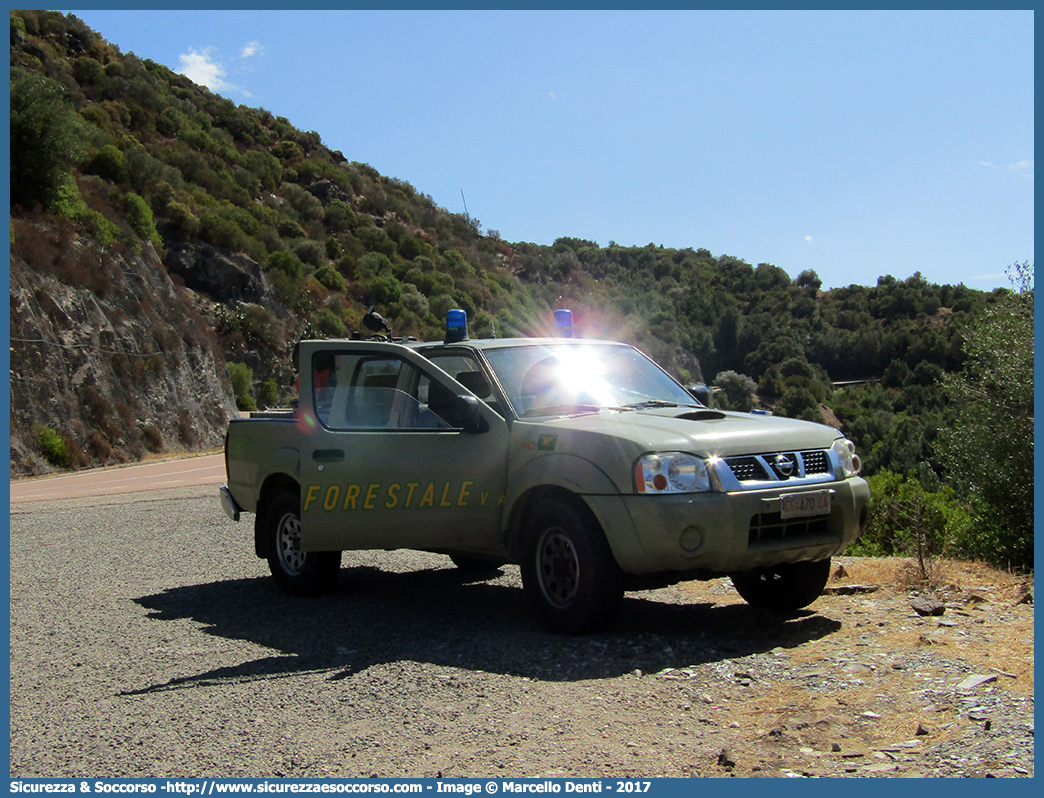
(385, 460)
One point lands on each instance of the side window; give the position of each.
(466, 371)
(358, 391)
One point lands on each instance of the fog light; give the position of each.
(691, 539)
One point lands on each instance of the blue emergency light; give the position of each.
(456, 326)
(564, 322)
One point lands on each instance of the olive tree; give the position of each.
(988, 450)
(738, 390)
(45, 138)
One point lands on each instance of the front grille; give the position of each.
(746, 469)
(779, 466)
(766, 528)
(816, 462)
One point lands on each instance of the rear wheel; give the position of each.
(295, 571)
(783, 587)
(568, 569)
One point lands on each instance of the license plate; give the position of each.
(802, 505)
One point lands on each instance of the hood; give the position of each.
(699, 431)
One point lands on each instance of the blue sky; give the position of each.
(852, 143)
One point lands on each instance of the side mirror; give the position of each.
(473, 421)
(701, 393)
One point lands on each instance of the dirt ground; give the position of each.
(169, 652)
(887, 682)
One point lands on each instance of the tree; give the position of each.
(738, 390)
(808, 279)
(988, 451)
(45, 138)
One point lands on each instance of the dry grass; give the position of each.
(994, 631)
(866, 660)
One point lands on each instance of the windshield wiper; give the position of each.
(651, 403)
(561, 410)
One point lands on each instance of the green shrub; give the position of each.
(71, 205)
(906, 518)
(310, 251)
(331, 278)
(795, 402)
(220, 231)
(268, 393)
(46, 138)
(53, 446)
(108, 164)
(737, 391)
(180, 217)
(139, 217)
(242, 377)
(328, 323)
(384, 290)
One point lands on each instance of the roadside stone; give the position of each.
(726, 759)
(975, 680)
(927, 605)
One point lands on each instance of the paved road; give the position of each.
(202, 470)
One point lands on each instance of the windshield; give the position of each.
(555, 379)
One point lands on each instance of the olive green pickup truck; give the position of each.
(582, 461)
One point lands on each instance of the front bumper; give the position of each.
(727, 532)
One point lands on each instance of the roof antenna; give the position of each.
(465, 204)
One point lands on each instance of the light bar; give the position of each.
(456, 326)
(564, 322)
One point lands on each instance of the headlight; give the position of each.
(846, 453)
(671, 472)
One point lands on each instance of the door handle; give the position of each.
(328, 455)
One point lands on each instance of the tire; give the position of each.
(783, 587)
(568, 569)
(296, 572)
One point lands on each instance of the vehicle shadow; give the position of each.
(448, 617)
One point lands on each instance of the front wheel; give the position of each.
(783, 587)
(298, 572)
(568, 569)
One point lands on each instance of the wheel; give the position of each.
(568, 569)
(295, 571)
(783, 587)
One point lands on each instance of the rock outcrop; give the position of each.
(110, 353)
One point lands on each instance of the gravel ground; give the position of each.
(148, 641)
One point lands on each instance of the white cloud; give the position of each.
(988, 277)
(253, 48)
(809, 239)
(200, 68)
(1023, 167)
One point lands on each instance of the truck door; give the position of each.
(392, 457)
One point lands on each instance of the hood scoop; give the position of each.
(702, 415)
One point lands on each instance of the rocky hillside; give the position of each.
(111, 351)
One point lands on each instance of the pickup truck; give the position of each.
(581, 461)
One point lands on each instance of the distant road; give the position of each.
(204, 470)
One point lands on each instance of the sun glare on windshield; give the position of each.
(551, 380)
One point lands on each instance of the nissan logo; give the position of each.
(784, 465)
